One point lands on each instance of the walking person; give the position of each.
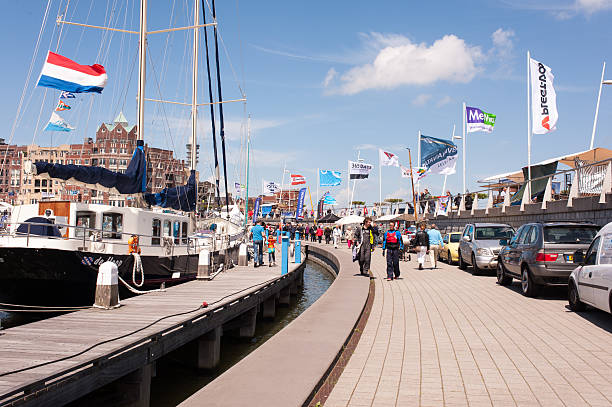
(392, 244)
(257, 232)
(349, 237)
(327, 232)
(364, 237)
(319, 233)
(435, 244)
(422, 244)
(313, 233)
(271, 250)
(336, 235)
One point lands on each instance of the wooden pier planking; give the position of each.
(70, 333)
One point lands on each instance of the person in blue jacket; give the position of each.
(392, 244)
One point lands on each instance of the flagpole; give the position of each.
(446, 176)
(379, 178)
(603, 72)
(310, 196)
(418, 158)
(463, 143)
(528, 187)
(416, 215)
(318, 182)
(348, 186)
(283, 182)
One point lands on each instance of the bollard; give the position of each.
(285, 255)
(278, 236)
(298, 249)
(243, 259)
(204, 268)
(107, 288)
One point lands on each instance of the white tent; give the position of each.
(387, 218)
(350, 220)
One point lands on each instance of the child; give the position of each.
(271, 257)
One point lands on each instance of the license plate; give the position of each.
(569, 257)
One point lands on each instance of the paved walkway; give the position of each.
(447, 338)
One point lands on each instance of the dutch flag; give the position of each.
(64, 74)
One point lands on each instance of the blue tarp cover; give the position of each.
(133, 181)
(181, 198)
(39, 230)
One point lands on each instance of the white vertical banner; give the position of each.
(543, 98)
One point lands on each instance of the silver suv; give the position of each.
(543, 254)
(479, 245)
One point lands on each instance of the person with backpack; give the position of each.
(392, 244)
(364, 237)
(421, 241)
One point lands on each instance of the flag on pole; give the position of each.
(607, 82)
(388, 159)
(270, 188)
(359, 170)
(297, 179)
(56, 123)
(62, 73)
(329, 178)
(543, 98)
(479, 120)
(62, 106)
(329, 200)
(417, 172)
(67, 95)
(299, 211)
(438, 156)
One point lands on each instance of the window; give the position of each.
(156, 232)
(525, 235)
(493, 233)
(532, 236)
(167, 225)
(176, 231)
(454, 238)
(184, 231)
(85, 220)
(112, 225)
(591, 255)
(569, 234)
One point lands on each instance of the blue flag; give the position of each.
(329, 178)
(300, 204)
(438, 156)
(330, 200)
(67, 95)
(256, 209)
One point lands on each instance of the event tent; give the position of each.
(350, 220)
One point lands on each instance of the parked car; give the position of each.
(450, 253)
(479, 245)
(591, 282)
(543, 254)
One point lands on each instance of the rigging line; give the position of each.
(91, 3)
(59, 36)
(221, 121)
(116, 95)
(240, 45)
(134, 64)
(162, 108)
(28, 77)
(212, 109)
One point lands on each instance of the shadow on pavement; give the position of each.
(546, 293)
(595, 316)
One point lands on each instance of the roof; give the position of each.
(594, 155)
(121, 119)
(479, 225)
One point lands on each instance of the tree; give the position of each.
(482, 195)
(392, 201)
(358, 203)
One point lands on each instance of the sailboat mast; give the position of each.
(221, 122)
(194, 86)
(246, 197)
(142, 67)
(212, 111)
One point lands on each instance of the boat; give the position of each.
(50, 251)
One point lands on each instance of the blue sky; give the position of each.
(325, 80)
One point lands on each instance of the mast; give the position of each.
(221, 122)
(246, 198)
(194, 96)
(416, 214)
(212, 111)
(142, 65)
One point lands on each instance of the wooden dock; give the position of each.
(138, 333)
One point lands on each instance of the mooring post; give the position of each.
(298, 249)
(209, 349)
(107, 288)
(285, 255)
(204, 264)
(242, 255)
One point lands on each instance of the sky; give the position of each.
(326, 82)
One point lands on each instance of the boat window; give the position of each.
(85, 221)
(176, 231)
(156, 232)
(112, 225)
(167, 225)
(184, 231)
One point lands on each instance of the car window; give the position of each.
(570, 234)
(531, 236)
(466, 231)
(493, 232)
(591, 255)
(445, 240)
(455, 238)
(518, 235)
(606, 249)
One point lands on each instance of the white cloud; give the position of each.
(593, 6)
(444, 101)
(502, 53)
(563, 9)
(365, 147)
(399, 61)
(331, 74)
(421, 100)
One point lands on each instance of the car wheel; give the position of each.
(502, 278)
(574, 299)
(475, 269)
(528, 287)
(462, 264)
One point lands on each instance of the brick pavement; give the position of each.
(447, 338)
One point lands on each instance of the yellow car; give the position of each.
(451, 243)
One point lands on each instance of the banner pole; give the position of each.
(603, 72)
(528, 186)
(318, 182)
(310, 196)
(348, 186)
(463, 114)
(379, 179)
(418, 158)
(416, 214)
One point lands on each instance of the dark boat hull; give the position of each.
(55, 277)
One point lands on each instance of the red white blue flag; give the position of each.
(297, 179)
(62, 73)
